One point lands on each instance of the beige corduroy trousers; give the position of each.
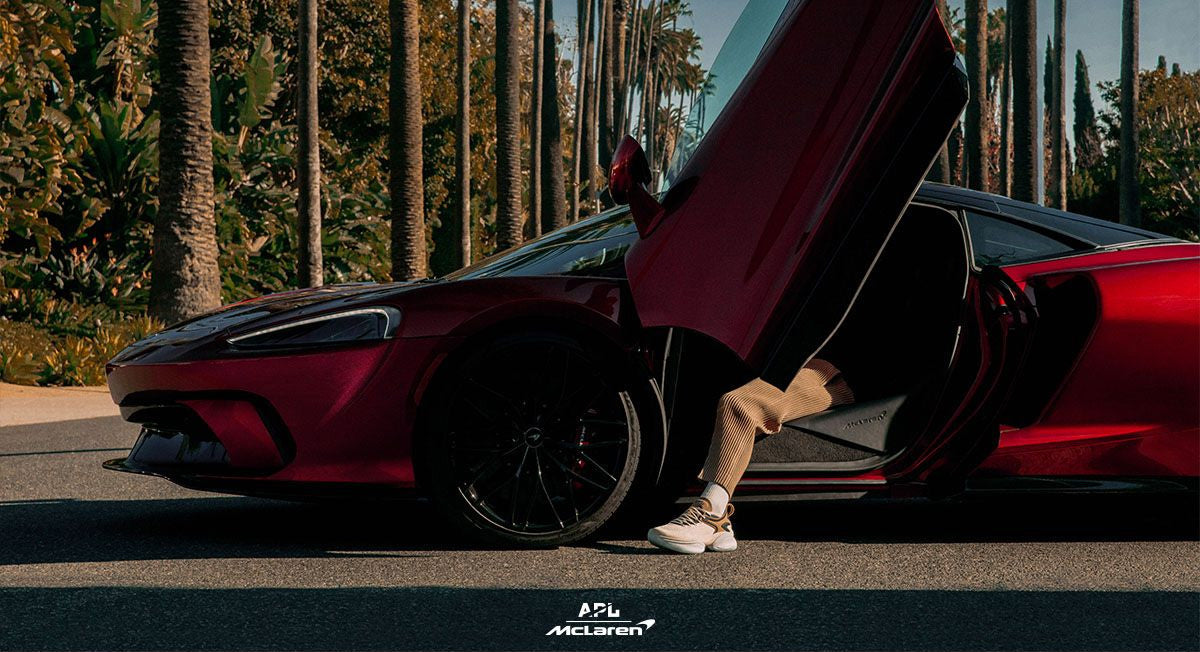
(758, 407)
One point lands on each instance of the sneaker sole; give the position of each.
(723, 543)
(684, 548)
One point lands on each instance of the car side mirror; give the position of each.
(627, 184)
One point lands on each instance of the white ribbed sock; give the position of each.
(717, 497)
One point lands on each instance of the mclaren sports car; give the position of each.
(993, 345)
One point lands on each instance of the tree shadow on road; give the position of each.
(53, 531)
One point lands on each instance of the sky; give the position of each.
(1168, 27)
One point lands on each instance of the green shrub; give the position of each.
(73, 362)
(21, 348)
(33, 352)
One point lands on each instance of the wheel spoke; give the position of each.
(545, 491)
(533, 491)
(489, 467)
(617, 423)
(579, 476)
(483, 499)
(512, 517)
(598, 466)
(566, 404)
(592, 444)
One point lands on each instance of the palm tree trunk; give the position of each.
(554, 206)
(631, 69)
(585, 27)
(620, 31)
(406, 183)
(667, 128)
(1006, 112)
(1058, 111)
(535, 117)
(308, 150)
(652, 102)
(508, 127)
(1130, 199)
(608, 44)
(954, 150)
(643, 122)
(595, 136)
(976, 125)
(462, 152)
(185, 280)
(1026, 143)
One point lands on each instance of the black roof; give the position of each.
(1089, 229)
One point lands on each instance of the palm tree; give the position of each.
(608, 63)
(591, 142)
(406, 183)
(978, 116)
(462, 153)
(940, 171)
(1006, 111)
(1130, 202)
(581, 82)
(1058, 111)
(508, 127)
(620, 23)
(535, 118)
(308, 150)
(554, 206)
(631, 68)
(648, 46)
(1025, 141)
(185, 280)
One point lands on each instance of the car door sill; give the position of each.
(849, 466)
(817, 482)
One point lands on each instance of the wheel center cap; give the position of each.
(534, 437)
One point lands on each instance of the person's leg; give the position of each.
(742, 413)
(759, 407)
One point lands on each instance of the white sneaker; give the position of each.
(696, 530)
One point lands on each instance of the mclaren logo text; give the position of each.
(600, 619)
(861, 422)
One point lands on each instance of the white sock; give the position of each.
(717, 497)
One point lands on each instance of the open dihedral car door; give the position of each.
(777, 210)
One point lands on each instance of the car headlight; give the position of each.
(350, 326)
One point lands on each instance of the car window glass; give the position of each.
(733, 62)
(592, 247)
(1085, 228)
(999, 242)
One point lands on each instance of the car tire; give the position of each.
(530, 439)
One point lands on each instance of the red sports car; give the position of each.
(992, 344)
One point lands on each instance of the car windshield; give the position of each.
(595, 246)
(738, 53)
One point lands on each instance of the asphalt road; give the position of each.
(98, 560)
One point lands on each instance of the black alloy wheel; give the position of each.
(533, 441)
